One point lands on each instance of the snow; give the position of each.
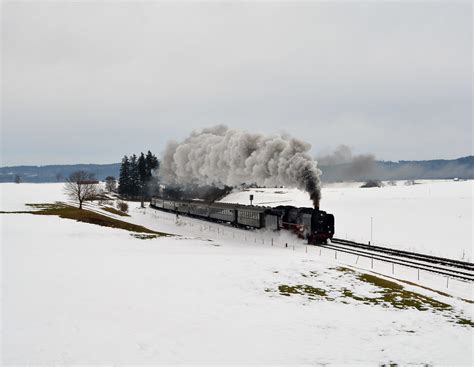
(433, 217)
(75, 293)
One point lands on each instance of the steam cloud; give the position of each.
(221, 156)
(343, 165)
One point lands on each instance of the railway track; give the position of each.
(439, 265)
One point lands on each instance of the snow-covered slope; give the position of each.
(75, 293)
(433, 217)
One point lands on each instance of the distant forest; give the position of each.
(462, 168)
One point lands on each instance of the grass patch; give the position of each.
(385, 293)
(393, 294)
(288, 290)
(87, 216)
(142, 236)
(462, 321)
(114, 211)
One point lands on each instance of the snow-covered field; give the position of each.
(75, 293)
(433, 217)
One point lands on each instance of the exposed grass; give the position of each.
(393, 294)
(87, 216)
(463, 321)
(386, 293)
(114, 211)
(288, 290)
(144, 236)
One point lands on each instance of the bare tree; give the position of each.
(81, 186)
(110, 184)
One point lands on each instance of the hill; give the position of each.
(462, 168)
(56, 173)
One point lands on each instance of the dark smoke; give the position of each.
(342, 165)
(220, 156)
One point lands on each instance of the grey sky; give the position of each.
(92, 81)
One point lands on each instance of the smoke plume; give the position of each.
(342, 165)
(221, 156)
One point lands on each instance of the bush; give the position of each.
(410, 183)
(372, 183)
(122, 206)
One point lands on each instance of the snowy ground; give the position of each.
(433, 217)
(74, 293)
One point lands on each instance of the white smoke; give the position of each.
(221, 156)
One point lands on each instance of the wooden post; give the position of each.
(335, 254)
(306, 248)
(418, 273)
(447, 281)
(393, 268)
(372, 263)
(272, 241)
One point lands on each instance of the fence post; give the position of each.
(306, 248)
(335, 254)
(418, 273)
(272, 241)
(393, 268)
(357, 260)
(320, 251)
(447, 281)
(372, 263)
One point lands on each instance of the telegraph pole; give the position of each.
(371, 229)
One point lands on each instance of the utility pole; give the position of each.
(371, 229)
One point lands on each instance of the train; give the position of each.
(314, 225)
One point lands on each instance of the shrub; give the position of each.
(372, 183)
(122, 206)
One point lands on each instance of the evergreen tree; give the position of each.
(124, 179)
(134, 177)
(142, 170)
(151, 164)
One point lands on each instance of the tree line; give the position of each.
(136, 176)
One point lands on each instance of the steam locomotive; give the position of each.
(315, 225)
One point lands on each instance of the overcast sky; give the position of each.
(87, 82)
